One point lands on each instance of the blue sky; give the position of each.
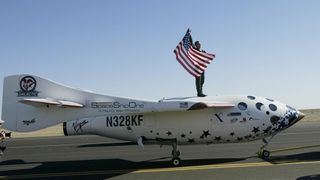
(125, 48)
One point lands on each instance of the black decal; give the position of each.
(169, 133)
(121, 118)
(218, 117)
(27, 122)
(109, 121)
(255, 130)
(28, 85)
(217, 138)
(133, 119)
(140, 118)
(78, 126)
(191, 140)
(116, 122)
(128, 121)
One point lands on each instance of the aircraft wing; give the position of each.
(188, 104)
(203, 105)
(44, 102)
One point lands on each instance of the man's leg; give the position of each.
(202, 82)
(198, 86)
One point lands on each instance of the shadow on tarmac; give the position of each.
(307, 156)
(311, 177)
(96, 169)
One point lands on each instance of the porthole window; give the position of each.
(259, 105)
(251, 97)
(242, 106)
(273, 107)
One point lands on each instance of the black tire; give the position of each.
(176, 161)
(265, 154)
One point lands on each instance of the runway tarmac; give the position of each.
(95, 157)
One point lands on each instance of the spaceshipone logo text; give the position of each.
(116, 105)
(28, 85)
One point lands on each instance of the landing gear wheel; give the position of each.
(175, 161)
(264, 154)
(175, 153)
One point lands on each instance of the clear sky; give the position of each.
(125, 48)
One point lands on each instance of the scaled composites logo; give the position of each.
(28, 86)
(77, 126)
(28, 122)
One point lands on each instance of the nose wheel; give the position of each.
(264, 154)
(176, 161)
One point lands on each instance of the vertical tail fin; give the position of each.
(31, 103)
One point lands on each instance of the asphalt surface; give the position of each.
(296, 155)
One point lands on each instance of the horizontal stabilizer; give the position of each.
(42, 102)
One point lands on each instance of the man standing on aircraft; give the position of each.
(193, 59)
(200, 79)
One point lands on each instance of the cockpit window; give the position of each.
(269, 99)
(242, 106)
(291, 108)
(259, 105)
(273, 107)
(251, 97)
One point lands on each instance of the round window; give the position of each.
(273, 107)
(242, 106)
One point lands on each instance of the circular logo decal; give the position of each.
(28, 84)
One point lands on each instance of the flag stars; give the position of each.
(232, 134)
(169, 133)
(191, 140)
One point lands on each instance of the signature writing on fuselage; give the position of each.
(78, 126)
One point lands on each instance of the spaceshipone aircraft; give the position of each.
(31, 103)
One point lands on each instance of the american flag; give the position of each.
(194, 61)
